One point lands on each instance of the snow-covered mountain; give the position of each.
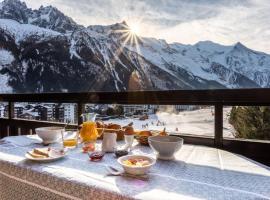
(45, 17)
(45, 51)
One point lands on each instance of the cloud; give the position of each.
(185, 21)
(159, 12)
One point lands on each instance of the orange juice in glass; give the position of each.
(88, 132)
(70, 142)
(70, 139)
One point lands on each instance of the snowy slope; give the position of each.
(22, 31)
(6, 58)
(200, 59)
(253, 64)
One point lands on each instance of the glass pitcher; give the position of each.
(89, 132)
(88, 117)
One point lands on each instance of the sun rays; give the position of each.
(129, 36)
(135, 28)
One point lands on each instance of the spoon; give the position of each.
(113, 170)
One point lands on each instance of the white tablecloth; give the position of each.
(197, 173)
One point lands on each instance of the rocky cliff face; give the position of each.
(45, 51)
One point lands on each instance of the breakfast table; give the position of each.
(198, 172)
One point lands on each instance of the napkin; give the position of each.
(6, 144)
(20, 141)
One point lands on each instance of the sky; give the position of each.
(185, 21)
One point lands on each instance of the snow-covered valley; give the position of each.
(197, 122)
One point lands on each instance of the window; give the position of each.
(247, 122)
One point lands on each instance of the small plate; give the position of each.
(54, 154)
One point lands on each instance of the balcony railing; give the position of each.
(258, 150)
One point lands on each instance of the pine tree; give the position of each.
(251, 122)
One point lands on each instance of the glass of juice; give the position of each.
(70, 139)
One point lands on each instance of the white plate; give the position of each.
(53, 155)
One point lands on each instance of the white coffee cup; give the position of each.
(109, 142)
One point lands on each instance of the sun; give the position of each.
(134, 29)
(130, 35)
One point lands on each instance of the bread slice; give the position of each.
(34, 155)
(42, 151)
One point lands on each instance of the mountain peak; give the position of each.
(14, 5)
(240, 47)
(116, 29)
(50, 8)
(13, 2)
(46, 17)
(52, 18)
(124, 23)
(119, 26)
(210, 46)
(14, 9)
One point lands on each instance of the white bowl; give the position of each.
(49, 134)
(136, 170)
(165, 146)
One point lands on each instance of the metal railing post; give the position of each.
(10, 110)
(12, 129)
(81, 110)
(219, 125)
